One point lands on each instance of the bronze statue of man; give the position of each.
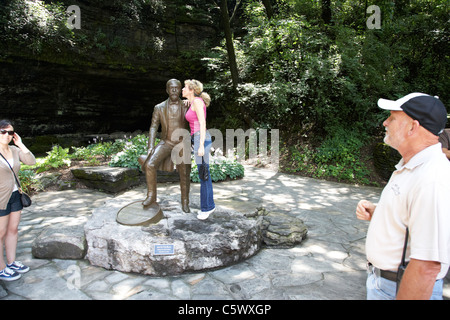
(170, 114)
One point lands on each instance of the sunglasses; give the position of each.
(11, 133)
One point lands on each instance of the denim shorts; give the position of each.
(14, 204)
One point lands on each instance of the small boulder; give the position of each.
(47, 179)
(280, 230)
(59, 242)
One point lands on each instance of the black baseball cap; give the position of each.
(428, 110)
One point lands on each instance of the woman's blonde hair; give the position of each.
(197, 86)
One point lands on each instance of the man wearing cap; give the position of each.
(416, 197)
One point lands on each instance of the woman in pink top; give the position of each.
(196, 116)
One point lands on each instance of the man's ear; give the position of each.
(415, 125)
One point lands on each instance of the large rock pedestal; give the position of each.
(176, 244)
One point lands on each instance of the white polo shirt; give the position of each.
(417, 196)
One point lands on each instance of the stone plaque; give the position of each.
(134, 214)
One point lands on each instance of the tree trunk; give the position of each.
(232, 58)
(229, 42)
(326, 11)
(269, 9)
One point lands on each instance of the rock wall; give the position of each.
(108, 75)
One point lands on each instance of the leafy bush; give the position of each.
(338, 157)
(300, 160)
(84, 153)
(28, 181)
(57, 157)
(105, 149)
(220, 169)
(133, 148)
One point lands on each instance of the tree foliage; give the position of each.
(315, 70)
(312, 69)
(300, 74)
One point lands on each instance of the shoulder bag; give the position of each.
(26, 200)
(203, 170)
(403, 264)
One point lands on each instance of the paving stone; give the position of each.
(44, 283)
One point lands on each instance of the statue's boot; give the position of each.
(185, 184)
(150, 175)
(149, 200)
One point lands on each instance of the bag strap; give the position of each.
(17, 180)
(404, 247)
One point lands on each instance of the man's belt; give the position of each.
(389, 275)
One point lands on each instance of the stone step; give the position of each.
(116, 179)
(108, 179)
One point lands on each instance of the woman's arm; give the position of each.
(25, 154)
(198, 108)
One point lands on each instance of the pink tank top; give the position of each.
(191, 117)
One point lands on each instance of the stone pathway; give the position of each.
(329, 264)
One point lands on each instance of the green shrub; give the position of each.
(338, 157)
(300, 160)
(105, 149)
(28, 180)
(56, 158)
(84, 153)
(220, 169)
(133, 148)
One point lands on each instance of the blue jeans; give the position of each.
(382, 289)
(206, 189)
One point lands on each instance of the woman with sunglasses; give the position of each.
(10, 204)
